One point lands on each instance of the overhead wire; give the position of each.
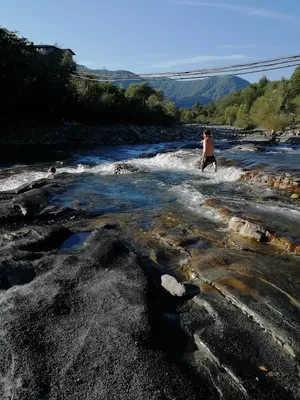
(239, 69)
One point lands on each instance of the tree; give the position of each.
(262, 84)
(139, 92)
(197, 108)
(249, 95)
(154, 103)
(171, 110)
(264, 115)
(38, 84)
(186, 116)
(242, 117)
(230, 114)
(294, 84)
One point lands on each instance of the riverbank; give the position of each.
(38, 142)
(74, 134)
(79, 134)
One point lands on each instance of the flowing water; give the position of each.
(247, 328)
(152, 179)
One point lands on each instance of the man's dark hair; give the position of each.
(52, 170)
(207, 132)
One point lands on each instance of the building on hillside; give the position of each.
(48, 48)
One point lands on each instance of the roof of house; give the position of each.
(70, 51)
(47, 46)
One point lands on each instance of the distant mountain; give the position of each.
(186, 93)
(183, 93)
(105, 71)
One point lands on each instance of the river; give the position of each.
(165, 205)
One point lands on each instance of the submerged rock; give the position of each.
(248, 147)
(125, 169)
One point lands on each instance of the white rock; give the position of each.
(172, 286)
(248, 229)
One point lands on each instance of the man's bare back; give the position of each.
(208, 156)
(208, 147)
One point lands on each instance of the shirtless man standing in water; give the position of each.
(208, 156)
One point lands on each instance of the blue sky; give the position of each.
(161, 35)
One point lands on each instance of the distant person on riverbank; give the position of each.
(274, 137)
(208, 156)
(51, 172)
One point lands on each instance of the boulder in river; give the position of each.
(248, 229)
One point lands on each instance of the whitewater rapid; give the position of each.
(182, 160)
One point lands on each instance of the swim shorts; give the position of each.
(208, 160)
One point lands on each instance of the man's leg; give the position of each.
(204, 164)
(215, 164)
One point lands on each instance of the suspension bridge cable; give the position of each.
(278, 63)
(190, 78)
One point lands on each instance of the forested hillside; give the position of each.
(267, 104)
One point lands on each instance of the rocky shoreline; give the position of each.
(45, 141)
(107, 319)
(67, 133)
(99, 305)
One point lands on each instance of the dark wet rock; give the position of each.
(291, 140)
(14, 275)
(262, 140)
(86, 317)
(35, 201)
(31, 203)
(68, 305)
(232, 273)
(248, 147)
(125, 169)
(149, 155)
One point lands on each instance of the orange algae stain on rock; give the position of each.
(210, 202)
(283, 243)
(238, 285)
(207, 289)
(297, 250)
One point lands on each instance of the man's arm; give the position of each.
(204, 149)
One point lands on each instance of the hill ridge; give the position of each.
(183, 93)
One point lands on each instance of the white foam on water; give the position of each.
(188, 161)
(17, 180)
(179, 160)
(182, 160)
(192, 199)
(290, 213)
(224, 174)
(282, 150)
